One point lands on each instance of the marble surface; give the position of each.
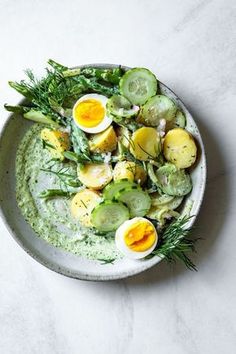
(191, 45)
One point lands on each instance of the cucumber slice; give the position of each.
(174, 204)
(39, 117)
(138, 85)
(178, 122)
(180, 119)
(120, 106)
(113, 188)
(157, 108)
(161, 199)
(136, 199)
(109, 215)
(174, 181)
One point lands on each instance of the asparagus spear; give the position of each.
(52, 193)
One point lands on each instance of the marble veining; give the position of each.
(190, 44)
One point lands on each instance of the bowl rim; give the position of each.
(155, 260)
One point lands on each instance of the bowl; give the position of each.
(57, 259)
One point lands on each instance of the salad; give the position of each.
(104, 171)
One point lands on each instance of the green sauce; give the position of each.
(51, 219)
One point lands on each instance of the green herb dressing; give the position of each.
(51, 219)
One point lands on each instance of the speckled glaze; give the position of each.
(55, 258)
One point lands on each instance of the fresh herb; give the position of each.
(54, 94)
(46, 144)
(175, 243)
(106, 261)
(66, 179)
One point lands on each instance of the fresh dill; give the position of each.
(175, 243)
(106, 261)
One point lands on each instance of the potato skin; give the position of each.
(105, 141)
(145, 143)
(95, 176)
(82, 204)
(58, 139)
(179, 148)
(129, 170)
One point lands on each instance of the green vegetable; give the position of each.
(161, 199)
(157, 108)
(175, 203)
(58, 67)
(120, 107)
(79, 141)
(136, 199)
(52, 193)
(173, 181)
(138, 85)
(108, 216)
(109, 75)
(179, 120)
(39, 117)
(111, 190)
(17, 109)
(175, 243)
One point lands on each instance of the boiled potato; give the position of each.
(58, 140)
(129, 170)
(145, 143)
(95, 176)
(124, 136)
(180, 148)
(82, 205)
(103, 142)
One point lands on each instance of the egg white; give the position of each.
(106, 120)
(120, 242)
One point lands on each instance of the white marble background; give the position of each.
(191, 45)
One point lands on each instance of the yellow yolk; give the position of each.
(89, 113)
(140, 236)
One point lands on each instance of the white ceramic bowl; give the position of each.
(54, 258)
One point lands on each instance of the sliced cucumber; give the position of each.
(161, 199)
(157, 108)
(178, 122)
(120, 106)
(180, 119)
(136, 199)
(175, 203)
(138, 85)
(108, 216)
(113, 188)
(174, 181)
(39, 117)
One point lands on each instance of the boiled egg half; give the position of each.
(89, 113)
(136, 238)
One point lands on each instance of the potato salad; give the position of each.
(114, 150)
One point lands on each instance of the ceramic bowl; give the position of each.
(54, 258)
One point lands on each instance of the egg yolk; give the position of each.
(89, 113)
(139, 237)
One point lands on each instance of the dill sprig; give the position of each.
(175, 243)
(66, 179)
(106, 261)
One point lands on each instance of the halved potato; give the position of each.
(58, 140)
(129, 170)
(82, 205)
(145, 143)
(95, 176)
(124, 136)
(103, 142)
(180, 148)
